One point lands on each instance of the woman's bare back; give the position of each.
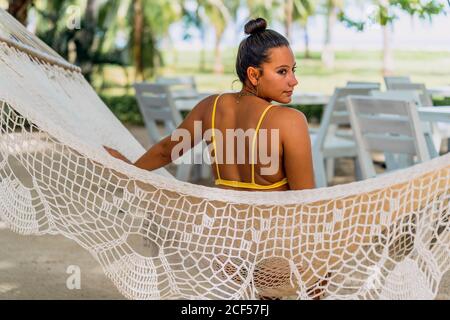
(241, 119)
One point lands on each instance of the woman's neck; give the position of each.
(248, 91)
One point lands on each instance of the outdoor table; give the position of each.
(435, 114)
(439, 91)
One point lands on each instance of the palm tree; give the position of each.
(160, 19)
(386, 19)
(332, 8)
(302, 10)
(149, 24)
(90, 46)
(383, 18)
(199, 21)
(263, 8)
(297, 10)
(139, 26)
(219, 16)
(288, 18)
(138, 31)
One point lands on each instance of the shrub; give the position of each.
(125, 108)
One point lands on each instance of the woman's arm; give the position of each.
(160, 154)
(153, 159)
(297, 153)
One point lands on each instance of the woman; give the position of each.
(266, 67)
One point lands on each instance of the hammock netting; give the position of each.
(159, 238)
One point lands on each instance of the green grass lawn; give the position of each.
(431, 68)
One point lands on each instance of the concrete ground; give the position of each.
(41, 267)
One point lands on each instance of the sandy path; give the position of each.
(36, 268)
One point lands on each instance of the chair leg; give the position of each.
(433, 147)
(319, 170)
(195, 173)
(330, 165)
(201, 171)
(358, 170)
(184, 172)
(405, 160)
(205, 171)
(391, 162)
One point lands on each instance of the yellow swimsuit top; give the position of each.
(238, 184)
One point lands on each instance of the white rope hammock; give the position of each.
(384, 238)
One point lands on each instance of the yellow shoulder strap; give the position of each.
(254, 141)
(213, 125)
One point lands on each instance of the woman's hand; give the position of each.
(117, 154)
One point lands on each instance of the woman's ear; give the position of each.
(253, 75)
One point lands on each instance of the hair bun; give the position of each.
(255, 26)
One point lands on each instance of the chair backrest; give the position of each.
(375, 85)
(389, 80)
(398, 95)
(425, 97)
(336, 113)
(385, 125)
(429, 128)
(405, 95)
(156, 104)
(181, 87)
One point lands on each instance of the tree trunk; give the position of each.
(84, 39)
(19, 9)
(388, 59)
(328, 50)
(202, 65)
(288, 12)
(306, 39)
(138, 40)
(218, 65)
(173, 47)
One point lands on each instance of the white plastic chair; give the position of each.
(385, 125)
(389, 80)
(184, 91)
(425, 97)
(426, 100)
(156, 104)
(183, 87)
(330, 143)
(376, 85)
(432, 136)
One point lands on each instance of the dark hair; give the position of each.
(253, 50)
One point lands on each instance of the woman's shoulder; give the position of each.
(206, 103)
(284, 115)
(292, 124)
(209, 100)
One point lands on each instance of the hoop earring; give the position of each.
(232, 84)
